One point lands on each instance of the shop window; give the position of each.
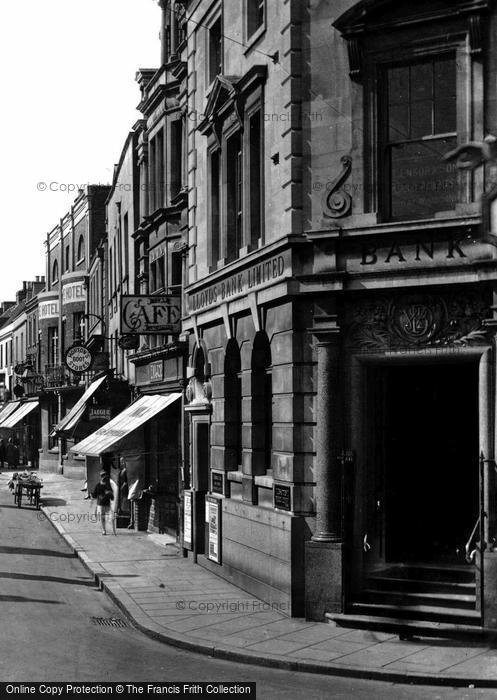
(233, 404)
(255, 16)
(215, 49)
(262, 401)
(420, 107)
(55, 272)
(52, 422)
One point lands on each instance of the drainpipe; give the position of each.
(59, 394)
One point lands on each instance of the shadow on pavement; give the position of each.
(52, 579)
(22, 599)
(40, 552)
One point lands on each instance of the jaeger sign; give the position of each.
(150, 314)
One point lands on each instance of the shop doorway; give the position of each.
(426, 445)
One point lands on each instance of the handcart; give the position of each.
(28, 487)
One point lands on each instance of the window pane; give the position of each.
(421, 182)
(421, 100)
(445, 96)
(398, 104)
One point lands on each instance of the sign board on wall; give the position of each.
(282, 495)
(187, 519)
(73, 292)
(156, 371)
(213, 523)
(48, 309)
(159, 315)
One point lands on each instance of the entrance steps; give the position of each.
(416, 599)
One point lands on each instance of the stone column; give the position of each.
(324, 559)
(327, 471)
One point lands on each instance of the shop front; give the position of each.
(125, 443)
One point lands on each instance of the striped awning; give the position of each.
(107, 437)
(7, 410)
(70, 419)
(22, 411)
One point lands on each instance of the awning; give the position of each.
(8, 409)
(17, 416)
(70, 419)
(103, 439)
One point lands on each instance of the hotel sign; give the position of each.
(243, 282)
(48, 309)
(73, 293)
(159, 315)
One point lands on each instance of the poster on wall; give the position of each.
(187, 520)
(213, 520)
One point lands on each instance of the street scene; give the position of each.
(248, 316)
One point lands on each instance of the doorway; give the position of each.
(427, 452)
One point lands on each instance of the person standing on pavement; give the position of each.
(12, 454)
(104, 494)
(2, 453)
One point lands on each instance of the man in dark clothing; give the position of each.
(104, 495)
(2, 453)
(12, 454)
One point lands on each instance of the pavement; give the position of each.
(169, 598)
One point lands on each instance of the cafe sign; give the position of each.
(159, 315)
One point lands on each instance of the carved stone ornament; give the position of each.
(197, 392)
(336, 202)
(417, 320)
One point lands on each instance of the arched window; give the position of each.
(233, 406)
(81, 249)
(262, 404)
(55, 272)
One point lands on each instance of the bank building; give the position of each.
(339, 308)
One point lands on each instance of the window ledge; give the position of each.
(264, 481)
(235, 476)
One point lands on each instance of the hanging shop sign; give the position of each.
(129, 342)
(78, 358)
(188, 520)
(159, 315)
(213, 522)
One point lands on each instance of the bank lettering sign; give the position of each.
(159, 315)
(237, 285)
